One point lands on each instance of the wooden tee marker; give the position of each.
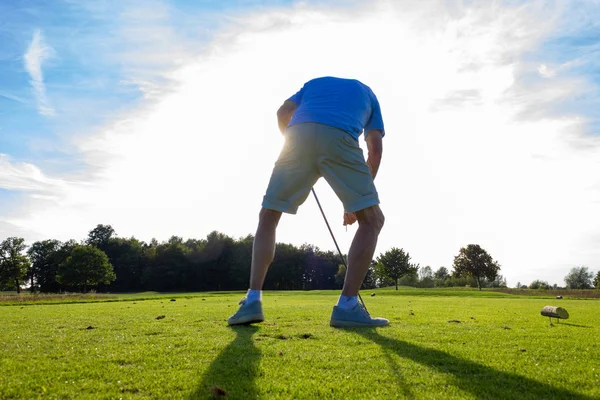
(555, 312)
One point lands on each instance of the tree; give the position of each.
(171, 269)
(66, 249)
(45, 259)
(498, 282)
(370, 281)
(579, 278)
(410, 279)
(340, 275)
(441, 273)
(86, 266)
(475, 262)
(539, 284)
(394, 264)
(426, 277)
(100, 236)
(597, 281)
(320, 269)
(521, 286)
(128, 261)
(217, 260)
(13, 263)
(425, 273)
(240, 260)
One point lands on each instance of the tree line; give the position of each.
(578, 278)
(108, 263)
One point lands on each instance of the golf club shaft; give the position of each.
(333, 237)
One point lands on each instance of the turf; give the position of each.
(500, 348)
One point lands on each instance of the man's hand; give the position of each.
(284, 114)
(349, 218)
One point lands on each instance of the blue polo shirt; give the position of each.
(346, 104)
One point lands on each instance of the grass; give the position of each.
(501, 348)
(41, 298)
(26, 298)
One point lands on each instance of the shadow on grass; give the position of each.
(403, 384)
(481, 381)
(576, 325)
(234, 370)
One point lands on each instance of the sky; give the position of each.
(158, 117)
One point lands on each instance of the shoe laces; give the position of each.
(364, 309)
(242, 301)
(362, 303)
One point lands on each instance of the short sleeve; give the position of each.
(375, 120)
(297, 98)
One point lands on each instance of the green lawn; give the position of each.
(502, 348)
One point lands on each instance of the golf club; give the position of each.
(335, 241)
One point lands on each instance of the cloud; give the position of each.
(461, 164)
(26, 177)
(545, 71)
(11, 97)
(459, 98)
(9, 230)
(37, 53)
(145, 43)
(563, 71)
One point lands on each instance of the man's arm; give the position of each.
(375, 150)
(284, 114)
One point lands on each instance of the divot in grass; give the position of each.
(217, 392)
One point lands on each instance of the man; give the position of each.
(321, 124)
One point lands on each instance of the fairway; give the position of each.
(469, 345)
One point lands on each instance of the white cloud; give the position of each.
(460, 165)
(12, 97)
(38, 52)
(545, 71)
(26, 177)
(9, 230)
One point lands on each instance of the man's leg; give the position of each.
(263, 252)
(370, 222)
(263, 249)
(348, 312)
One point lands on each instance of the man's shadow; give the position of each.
(234, 370)
(481, 381)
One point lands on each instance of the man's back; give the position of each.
(346, 104)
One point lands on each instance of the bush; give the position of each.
(426, 283)
(539, 284)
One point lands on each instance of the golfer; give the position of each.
(321, 124)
